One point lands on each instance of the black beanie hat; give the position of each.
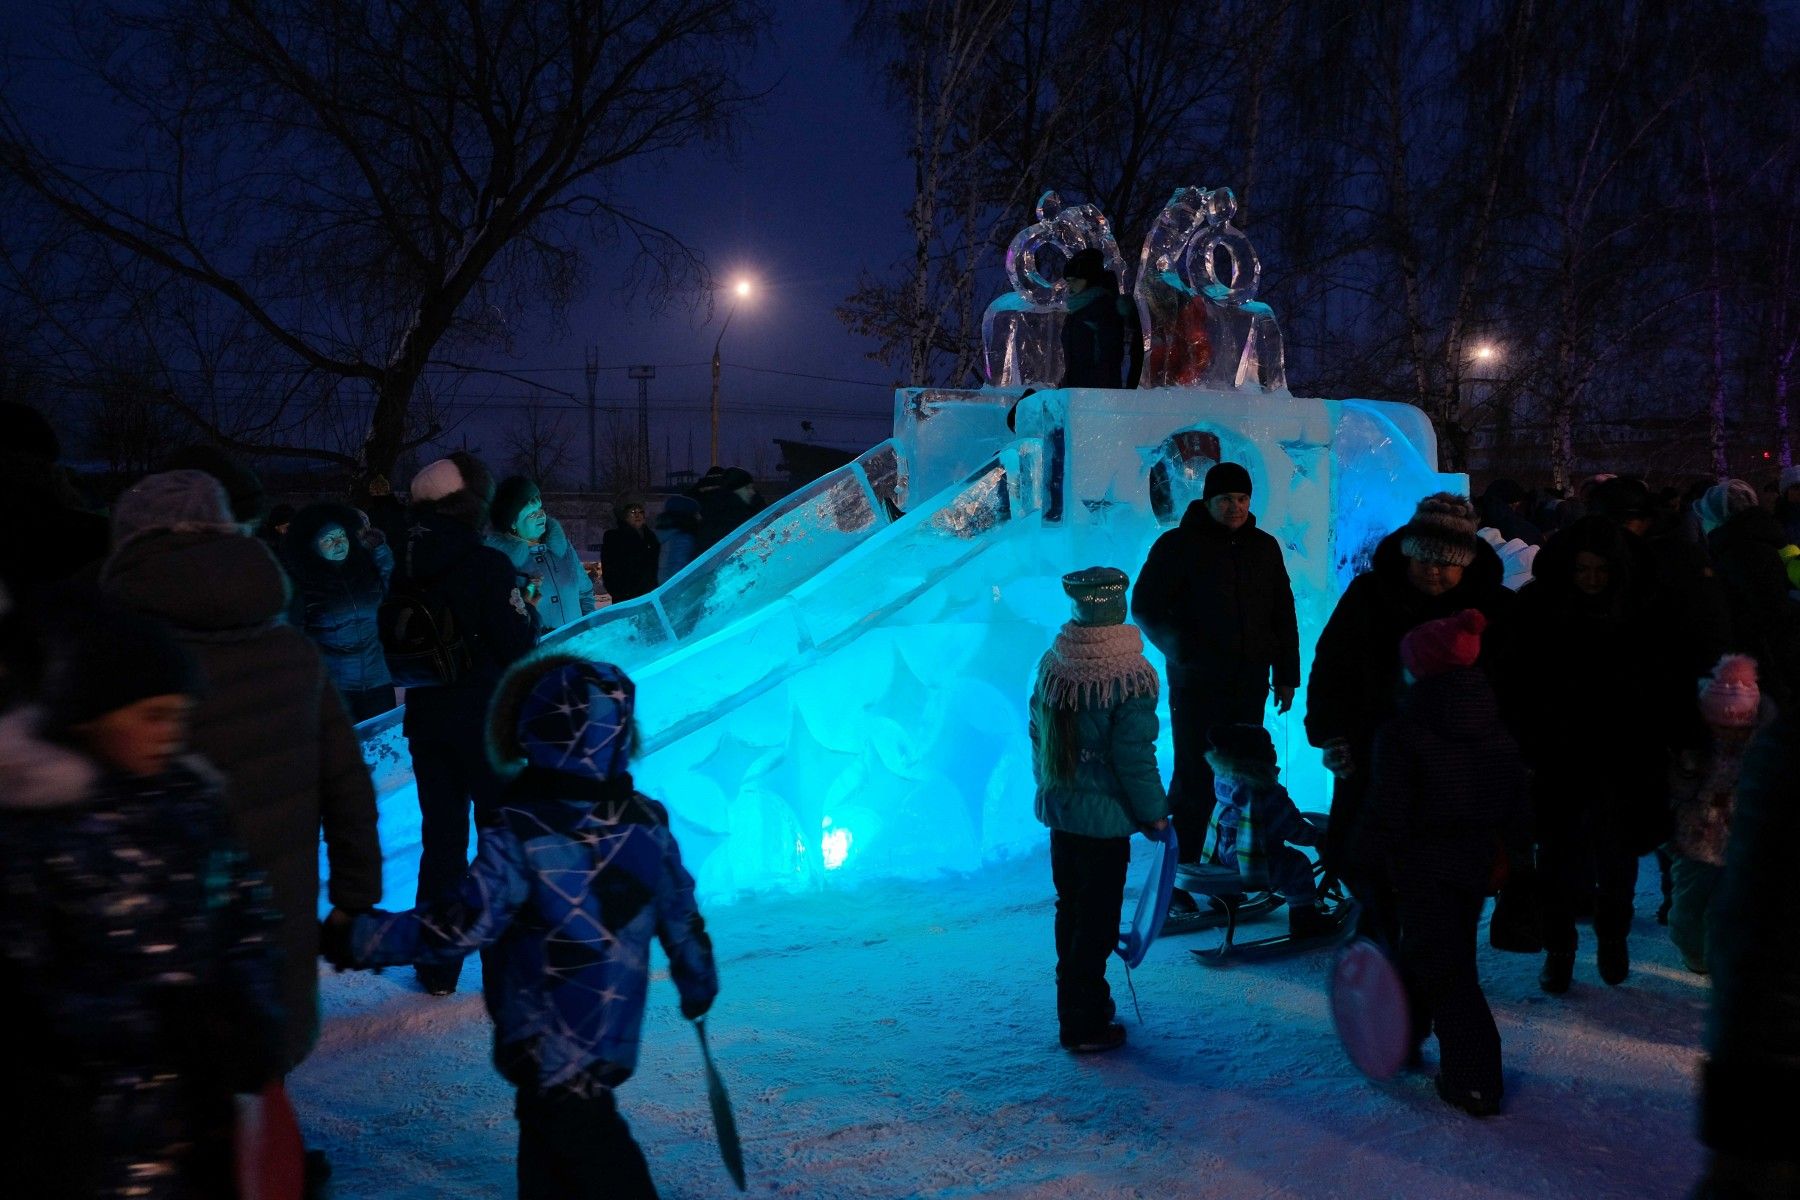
(1244, 743)
(511, 498)
(1224, 478)
(102, 657)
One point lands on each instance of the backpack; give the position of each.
(420, 638)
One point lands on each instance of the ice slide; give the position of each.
(839, 692)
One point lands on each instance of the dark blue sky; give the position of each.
(811, 194)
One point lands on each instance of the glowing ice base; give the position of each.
(838, 691)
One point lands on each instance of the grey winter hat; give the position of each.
(1099, 595)
(178, 501)
(1442, 530)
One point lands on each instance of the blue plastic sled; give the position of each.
(1153, 900)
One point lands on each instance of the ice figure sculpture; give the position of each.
(1021, 334)
(1196, 296)
(837, 691)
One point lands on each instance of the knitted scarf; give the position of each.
(1096, 666)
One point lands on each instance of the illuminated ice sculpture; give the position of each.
(837, 691)
(1021, 333)
(1196, 295)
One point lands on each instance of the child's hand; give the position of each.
(1158, 825)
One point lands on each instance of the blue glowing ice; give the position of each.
(838, 692)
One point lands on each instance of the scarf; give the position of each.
(1095, 666)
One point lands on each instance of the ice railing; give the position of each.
(761, 561)
(684, 690)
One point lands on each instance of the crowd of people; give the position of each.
(1633, 697)
(179, 683)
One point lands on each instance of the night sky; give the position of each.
(812, 193)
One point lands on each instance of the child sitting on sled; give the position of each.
(1254, 821)
(567, 888)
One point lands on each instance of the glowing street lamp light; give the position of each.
(1487, 352)
(740, 291)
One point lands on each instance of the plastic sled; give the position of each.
(1369, 1010)
(1153, 901)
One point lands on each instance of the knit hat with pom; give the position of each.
(1729, 697)
(1442, 530)
(1443, 645)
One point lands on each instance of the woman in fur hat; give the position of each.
(550, 572)
(1434, 566)
(1093, 739)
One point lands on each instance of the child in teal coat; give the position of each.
(1093, 739)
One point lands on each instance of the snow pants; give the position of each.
(1192, 711)
(575, 1147)
(1694, 885)
(451, 768)
(1438, 928)
(1090, 893)
(1565, 845)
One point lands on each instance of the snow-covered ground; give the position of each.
(901, 1041)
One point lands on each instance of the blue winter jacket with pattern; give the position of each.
(568, 885)
(138, 959)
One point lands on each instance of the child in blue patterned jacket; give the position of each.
(568, 886)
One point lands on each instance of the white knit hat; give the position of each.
(434, 482)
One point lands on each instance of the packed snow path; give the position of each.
(901, 1041)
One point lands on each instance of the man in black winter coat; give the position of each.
(1750, 1083)
(1214, 597)
(446, 726)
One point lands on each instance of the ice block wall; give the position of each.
(845, 700)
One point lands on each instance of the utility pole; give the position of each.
(593, 382)
(643, 375)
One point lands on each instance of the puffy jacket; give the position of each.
(628, 559)
(272, 724)
(1449, 788)
(566, 593)
(1117, 789)
(138, 959)
(445, 558)
(1099, 331)
(568, 887)
(1218, 603)
(1750, 1095)
(1355, 684)
(336, 604)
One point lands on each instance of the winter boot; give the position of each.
(1471, 1100)
(1107, 1037)
(1306, 921)
(1559, 970)
(1614, 960)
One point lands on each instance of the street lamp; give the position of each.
(739, 291)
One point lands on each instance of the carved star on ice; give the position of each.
(729, 762)
(1305, 456)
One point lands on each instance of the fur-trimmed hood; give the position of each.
(505, 750)
(38, 774)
